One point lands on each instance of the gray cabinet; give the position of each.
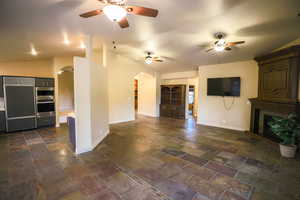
(21, 124)
(20, 103)
(1, 87)
(2, 121)
(44, 82)
(45, 121)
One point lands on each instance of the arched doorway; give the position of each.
(65, 92)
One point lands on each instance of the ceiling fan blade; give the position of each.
(137, 10)
(228, 49)
(103, 1)
(158, 60)
(91, 13)
(230, 44)
(124, 23)
(208, 50)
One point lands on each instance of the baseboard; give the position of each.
(146, 114)
(222, 126)
(94, 145)
(99, 140)
(80, 151)
(121, 121)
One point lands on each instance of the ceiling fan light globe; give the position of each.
(114, 13)
(219, 48)
(148, 61)
(221, 42)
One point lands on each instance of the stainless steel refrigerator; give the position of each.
(19, 97)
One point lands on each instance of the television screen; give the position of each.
(224, 86)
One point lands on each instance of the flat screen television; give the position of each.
(224, 86)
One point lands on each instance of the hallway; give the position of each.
(147, 159)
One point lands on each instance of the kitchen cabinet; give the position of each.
(1, 87)
(2, 121)
(46, 121)
(21, 124)
(20, 103)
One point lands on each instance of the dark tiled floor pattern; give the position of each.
(148, 159)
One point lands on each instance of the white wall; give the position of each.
(211, 110)
(91, 99)
(99, 100)
(180, 75)
(82, 104)
(147, 95)
(121, 73)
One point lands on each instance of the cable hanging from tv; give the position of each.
(231, 104)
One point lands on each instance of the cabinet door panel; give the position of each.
(20, 101)
(275, 80)
(21, 124)
(2, 121)
(1, 87)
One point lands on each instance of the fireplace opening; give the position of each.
(267, 132)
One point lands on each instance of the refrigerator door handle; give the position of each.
(23, 117)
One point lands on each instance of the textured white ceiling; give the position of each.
(178, 33)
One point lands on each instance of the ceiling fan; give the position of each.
(149, 59)
(220, 44)
(116, 11)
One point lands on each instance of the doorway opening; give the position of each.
(191, 101)
(65, 93)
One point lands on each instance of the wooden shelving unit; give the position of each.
(173, 101)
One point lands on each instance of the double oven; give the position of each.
(45, 102)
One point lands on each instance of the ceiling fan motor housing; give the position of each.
(220, 35)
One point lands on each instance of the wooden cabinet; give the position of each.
(173, 101)
(278, 88)
(278, 75)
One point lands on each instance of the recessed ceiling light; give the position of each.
(82, 45)
(66, 39)
(33, 51)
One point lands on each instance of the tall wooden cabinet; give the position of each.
(278, 75)
(173, 101)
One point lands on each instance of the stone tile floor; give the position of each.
(148, 159)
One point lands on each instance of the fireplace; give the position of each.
(263, 111)
(264, 129)
(277, 90)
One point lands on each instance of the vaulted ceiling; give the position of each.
(177, 34)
